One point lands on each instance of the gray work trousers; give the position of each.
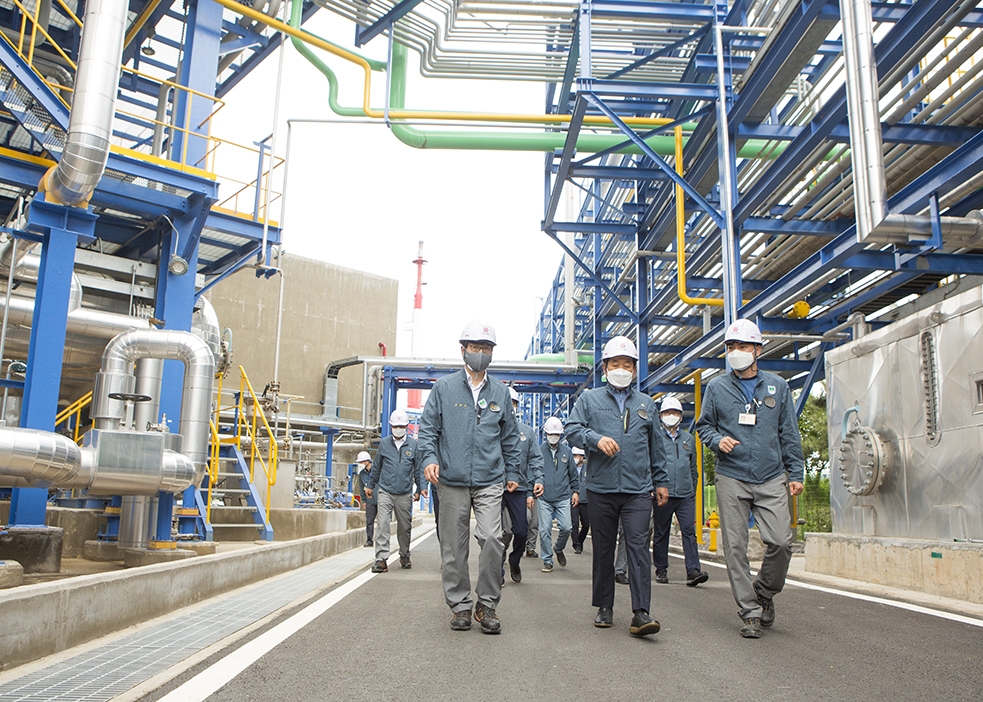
(402, 505)
(769, 503)
(532, 516)
(456, 504)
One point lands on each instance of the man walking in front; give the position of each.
(397, 469)
(748, 420)
(615, 426)
(469, 445)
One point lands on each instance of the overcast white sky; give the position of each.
(358, 197)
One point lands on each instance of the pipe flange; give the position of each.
(863, 461)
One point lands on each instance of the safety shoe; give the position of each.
(767, 611)
(530, 553)
(643, 625)
(380, 567)
(367, 543)
(578, 549)
(696, 577)
(662, 575)
(604, 617)
(404, 562)
(621, 578)
(461, 621)
(561, 558)
(751, 628)
(490, 623)
(547, 567)
(516, 573)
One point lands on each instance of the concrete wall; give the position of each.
(329, 313)
(943, 568)
(80, 525)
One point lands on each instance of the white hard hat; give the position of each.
(398, 418)
(363, 456)
(513, 394)
(743, 330)
(619, 346)
(577, 451)
(478, 330)
(553, 426)
(670, 403)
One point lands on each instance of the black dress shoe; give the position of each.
(578, 549)
(697, 577)
(643, 625)
(366, 544)
(621, 578)
(605, 615)
(662, 576)
(516, 573)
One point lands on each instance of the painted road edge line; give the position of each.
(921, 609)
(210, 680)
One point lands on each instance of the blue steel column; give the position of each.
(60, 228)
(176, 294)
(641, 302)
(727, 167)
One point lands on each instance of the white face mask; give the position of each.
(399, 432)
(671, 420)
(553, 439)
(740, 360)
(619, 377)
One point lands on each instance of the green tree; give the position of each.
(814, 502)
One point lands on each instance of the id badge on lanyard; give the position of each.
(747, 418)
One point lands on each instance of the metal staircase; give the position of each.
(241, 506)
(29, 100)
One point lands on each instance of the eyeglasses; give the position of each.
(480, 347)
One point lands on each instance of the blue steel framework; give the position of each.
(782, 249)
(143, 209)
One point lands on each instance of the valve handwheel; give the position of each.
(129, 397)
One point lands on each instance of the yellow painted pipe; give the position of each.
(698, 404)
(139, 22)
(505, 118)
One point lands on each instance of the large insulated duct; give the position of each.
(121, 463)
(199, 371)
(83, 160)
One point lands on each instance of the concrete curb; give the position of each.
(39, 620)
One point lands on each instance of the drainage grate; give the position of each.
(111, 670)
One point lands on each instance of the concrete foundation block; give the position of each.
(37, 550)
(289, 524)
(202, 548)
(11, 574)
(95, 550)
(755, 547)
(356, 519)
(136, 557)
(945, 568)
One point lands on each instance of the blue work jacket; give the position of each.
(680, 453)
(559, 473)
(396, 470)
(770, 446)
(475, 445)
(531, 460)
(639, 466)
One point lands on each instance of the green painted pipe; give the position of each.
(472, 140)
(559, 358)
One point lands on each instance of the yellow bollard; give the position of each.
(714, 522)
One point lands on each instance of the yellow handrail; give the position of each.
(270, 464)
(75, 409)
(212, 470)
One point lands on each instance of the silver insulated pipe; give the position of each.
(83, 160)
(199, 371)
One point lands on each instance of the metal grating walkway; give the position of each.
(111, 670)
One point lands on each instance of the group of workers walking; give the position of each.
(626, 466)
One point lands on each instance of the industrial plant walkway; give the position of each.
(387, 637)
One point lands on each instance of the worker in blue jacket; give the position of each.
(617, 426)
(469, 447)
(749, 421)
(679, 447)
(515, 503)
(397, 470)
(560, 487)
(579, 519)
(369, 503)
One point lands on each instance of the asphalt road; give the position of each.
(390, 640)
